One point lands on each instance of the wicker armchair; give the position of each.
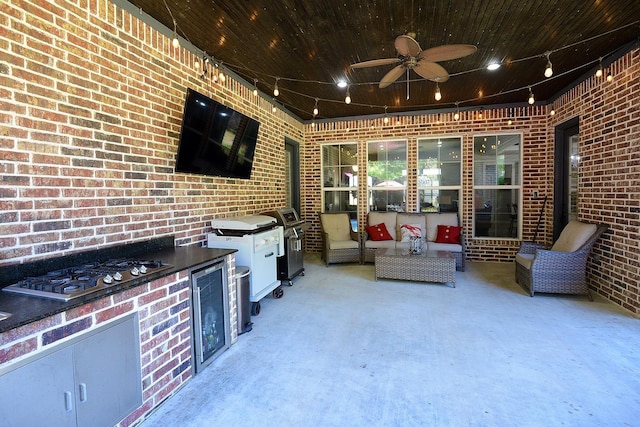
(339, 242)
(561, 269)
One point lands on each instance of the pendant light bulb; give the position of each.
(276, 91)
(347, 99)
(531, 98)
(175, 42)
(315, 108)
(255, 87)
(609, 77)
(386, 116)
(438, 95)
(548, 71)
(456, 116)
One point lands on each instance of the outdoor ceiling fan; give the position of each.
(412, 57)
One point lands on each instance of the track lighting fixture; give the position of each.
(347, 99)
(276, 91)
(438, 95)
(548, 71)
(315, 108)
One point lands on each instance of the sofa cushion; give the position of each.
(378, 232)
(574, 235)
(448, 234)
(388, 218)
(435, 219)
(407, 231)
(449, 247)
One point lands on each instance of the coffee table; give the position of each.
(426, 266)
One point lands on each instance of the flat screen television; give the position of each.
(215, 139)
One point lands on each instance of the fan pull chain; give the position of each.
(407, 84)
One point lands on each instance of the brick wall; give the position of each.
(609, 172)
(609, 176)
(91, 104)
(530, 121)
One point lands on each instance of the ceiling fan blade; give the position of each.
(431, 71)
(392, 76)
(375, 63)
(407, 46)
(447, 52)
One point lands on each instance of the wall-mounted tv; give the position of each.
(215, 139)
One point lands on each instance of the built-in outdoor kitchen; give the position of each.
(119, 346)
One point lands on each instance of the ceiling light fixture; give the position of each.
(531, 98)
(276, 91)
(347, 99)
(438, 95)
(548, 72)
(342, 84)
(493, 66)
(315, 108)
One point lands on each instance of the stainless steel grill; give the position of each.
(291, 264)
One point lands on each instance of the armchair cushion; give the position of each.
(573, 236)
(378, 232)
(448, 234)
(337, 226)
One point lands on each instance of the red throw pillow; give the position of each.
(378, 232)
(448, 234)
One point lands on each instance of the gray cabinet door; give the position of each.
(40, 393)
(107, 375)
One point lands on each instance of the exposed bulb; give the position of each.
(175, 42)
(386, 120)
(599, 72)
(456, 116)
(552, 112)
(531, 98)
(609, 78)
(255, 91)
(276, 91)
(347, 99)
(548, 72)
(438, 95)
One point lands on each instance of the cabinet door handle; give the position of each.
(83, 392)
(68, 401)
(269, 254)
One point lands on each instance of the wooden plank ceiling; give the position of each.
(307, 46)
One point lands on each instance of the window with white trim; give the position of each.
(497, 185)
(387, 175)
(340, 179)
(439, 174)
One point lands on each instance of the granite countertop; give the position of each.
(26, 309)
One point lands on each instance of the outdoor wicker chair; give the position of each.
(339, 242)
(563, 268)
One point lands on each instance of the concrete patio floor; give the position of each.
(341, 349)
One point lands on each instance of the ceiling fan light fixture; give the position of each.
(493, 66)
(341, 84)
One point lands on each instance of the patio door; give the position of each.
(292, 174)
(566, 164)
